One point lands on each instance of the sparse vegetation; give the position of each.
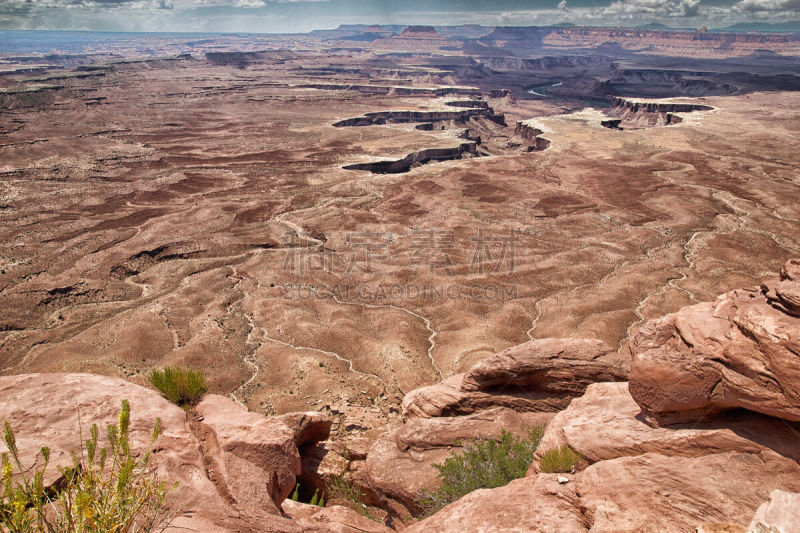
(561, 459)
(104, 491)
(317, 499)
(344, 492)
(483, 464)
(181, 386)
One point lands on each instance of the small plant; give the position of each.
(483, 464)
(561, 459)
(317, 499)
(104, 491)
(181, 386)
(341, 490)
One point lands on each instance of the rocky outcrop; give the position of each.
(233, 467)
(725, 459)
(532, 504)
(664, 479)
(629, 113)
(561, 366)
(538, 376)
(739, 352)
(400, 463)
(405, 117)
(532, 134)
(415, 159)
(333, 518)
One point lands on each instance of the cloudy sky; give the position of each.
(281, 16)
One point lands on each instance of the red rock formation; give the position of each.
(400, 463)
(562, 366)
(233, 467)
(538, 376)
(333, 518)
(740, 351)
(633, 113)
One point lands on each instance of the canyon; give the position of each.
(393, 239)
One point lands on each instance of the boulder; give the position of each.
(534, 504)
(605, 424)
(400, 463)
(740, 351)
(333, 518)
(780, 514)
(214, 461)
(675, 478)
(655, 492)
(309, 427)
(448, 398)
(259, 457)
(561, 366)
(538, 376)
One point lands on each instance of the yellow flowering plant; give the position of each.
(106, 490)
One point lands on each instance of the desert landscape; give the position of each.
(352, 222)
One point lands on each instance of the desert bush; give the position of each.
(181, 386)
(104, 491)
(344, 492)
(483, 464)
(561, 459)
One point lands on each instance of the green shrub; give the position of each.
(344, 492)
(104, 491)
(561, 459)
(483, 464)
(317, 499)
(181, 386)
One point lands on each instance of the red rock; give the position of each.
(671, 478)
(562, 366)
(791, 270)
(538, 376)
(537, 504)
(737, 352)
(781, 514)
(604, 424)
(400, 463)
(335, 518)
(260, 457)
(654, 492)
(309, 427)
(53, 410)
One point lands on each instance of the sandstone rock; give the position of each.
(335, 518)
(400, 463)
(538, 376)
(563, 366)
(737, 352)
(259, 452)
(788, 293)
(53, 409)
(654, 492)
(781, 514)
(791, 270)
(536, 504)
(671, 478)
(320, 463)
(309, 427)
(605, 424)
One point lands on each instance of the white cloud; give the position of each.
(653, 8)
(767, 6)
(562, 5)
